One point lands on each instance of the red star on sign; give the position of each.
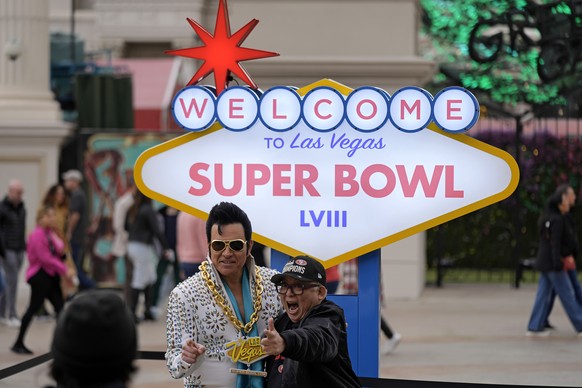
(222, 53)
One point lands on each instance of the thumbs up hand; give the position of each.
(272, 343)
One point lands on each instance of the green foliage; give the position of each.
(450, 22)
(511, 78)
(486, 238)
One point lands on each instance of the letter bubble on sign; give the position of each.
(455, 109)
(367, 108)
(411, 109)
(237, 108)
(323, 109)
(193, 108)
(280, 108)
(303, 189)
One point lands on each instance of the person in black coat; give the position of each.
(168, 217)
(307, 343)
(12, 249)
(558, 242)
(570, 269)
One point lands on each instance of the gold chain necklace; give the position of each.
(219, 299)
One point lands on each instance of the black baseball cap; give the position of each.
(303, 268)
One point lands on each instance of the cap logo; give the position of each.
(300, 262)
(290, 267)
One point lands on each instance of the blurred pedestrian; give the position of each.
(349, 285)
(333, 279)
(191, 243)
(349, 277)
(119, 246)
(56, 197)
(558, 242)
(570, 262)
(2, 285)
(77, 224)
(12, 248)
(168, 219)
(143, 227)
(94, 343)
(393, 338)
(45, 252)
(258, 253)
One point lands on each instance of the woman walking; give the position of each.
(143, 226)
(56, 197)
(44, 250)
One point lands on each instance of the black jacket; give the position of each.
(145, 227)
(316, 351)
(557, 240)
(12, 226)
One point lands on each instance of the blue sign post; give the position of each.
(362, 312)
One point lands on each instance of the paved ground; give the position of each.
(465, 333)
(460, 333)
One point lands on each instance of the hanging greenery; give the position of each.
(510, 69)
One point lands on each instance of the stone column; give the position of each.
(31, 131)
(24, 63)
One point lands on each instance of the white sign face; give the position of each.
(332, 195)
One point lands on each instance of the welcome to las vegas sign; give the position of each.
(332, 173)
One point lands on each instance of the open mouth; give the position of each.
(292, 308)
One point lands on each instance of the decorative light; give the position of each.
(221, 52)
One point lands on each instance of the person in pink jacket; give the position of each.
(45, 258)
(191, 243)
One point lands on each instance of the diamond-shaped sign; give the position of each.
(334, 194)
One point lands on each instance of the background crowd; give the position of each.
(158, 246)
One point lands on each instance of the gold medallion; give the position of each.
(246, 350)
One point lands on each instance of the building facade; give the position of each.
(356, 43)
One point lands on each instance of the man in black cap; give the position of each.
(307, 344)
